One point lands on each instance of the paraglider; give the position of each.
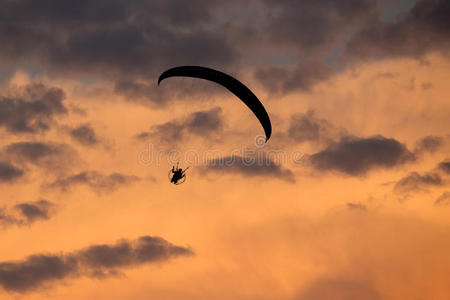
(232, 84)
(179, 175)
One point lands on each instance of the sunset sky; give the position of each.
(349, 199)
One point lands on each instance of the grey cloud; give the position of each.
(423, 29)
(356, 156)
(152, 94)
(84, 134)
(9, 172)
(33, 211)
(205, 123)
(131, 42)
(261, 165)
(339, 289)
(33, 109)
(97, 261)
(52, 156)
(427, 85)
(6, 219)
(94, 180)
(146, 249)
(33, 151)
(444, 166)
(309, 31)
(26, 213)
(342, 33)
(168, 132)
(308, 128)
(313, 26)
(443, 200)
(356, 206)
(428, 144)
(36, 270)
(280, 80)
(415, 182)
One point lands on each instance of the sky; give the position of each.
(349, 199)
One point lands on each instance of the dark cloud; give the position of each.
(356, 206)
(356, 156)
(98, 261)
(26, 213)
(169, 132)
(205, 123)
(33, 211)
(312, 26)
(54, 157)
(427, 85)
(428, 144)
(308, 128)
(131, 42)
(423, 29)
(94, 180)
(338, 289)
(36, 270)
(8, 172)
(6, 219)
(260, 165)
(324, 38)
(32, 109)
(280, 80)
(444, 166)
(310, 32)
(84, 134)
(33, 151)
(443, 200)
(415, 182)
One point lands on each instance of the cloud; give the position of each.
(94, 180)
(9, 172)
(443, 200)
(84, 134)
(120, 41)
(97, 261)
(32, 211)
(444, 166)
(204, 123)
(338, 289)
(428, 144)
(308, 128)
(261, 165)
(356, 206)
(131, 42)
(415, 182)
(356, 156)
(315, 27)
(52, 156)
(326, 38)
(423, 29)
(427, 85)
(33, 151)
(26, 213)
(281, 80)
(32, 109)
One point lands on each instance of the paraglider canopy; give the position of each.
(232, 84)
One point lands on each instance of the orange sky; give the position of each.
(297, 233)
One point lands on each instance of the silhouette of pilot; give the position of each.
(178, 174)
